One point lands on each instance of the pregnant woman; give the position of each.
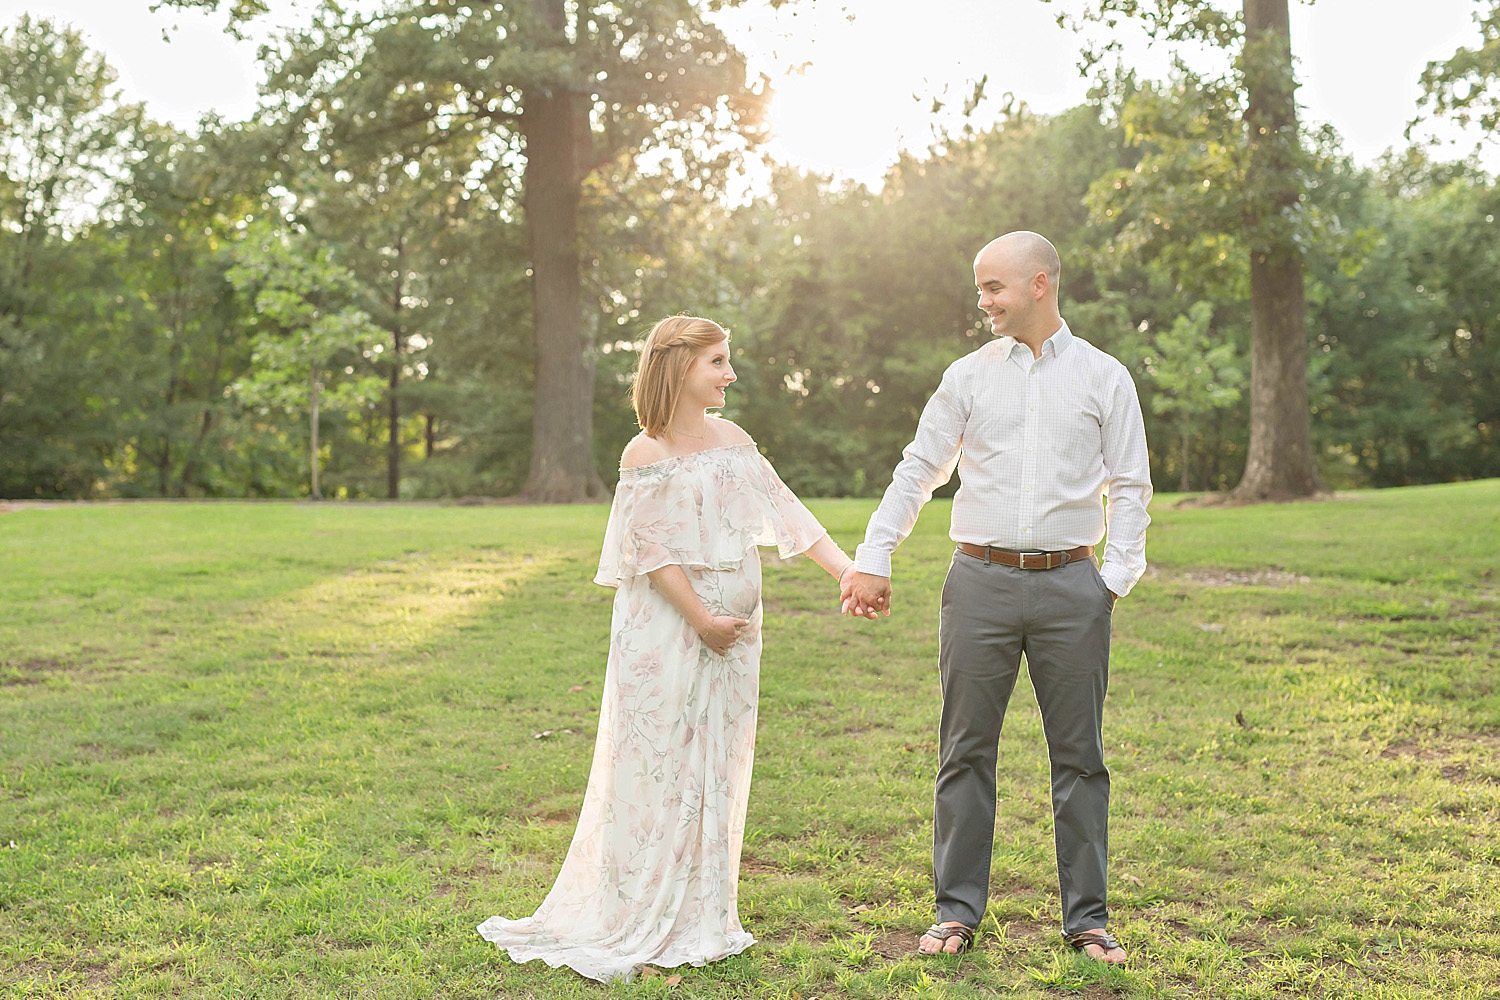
(652, 873)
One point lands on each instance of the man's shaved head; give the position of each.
(1028, 252)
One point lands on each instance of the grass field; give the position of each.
(293, 750)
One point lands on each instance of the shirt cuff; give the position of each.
(1117, 579)
(868, 559)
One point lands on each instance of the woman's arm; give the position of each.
(718, 632)
(826, 553)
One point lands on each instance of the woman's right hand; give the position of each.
(722, 631)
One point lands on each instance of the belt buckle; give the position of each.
(1021, 558)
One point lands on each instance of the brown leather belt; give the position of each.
(1026, 560)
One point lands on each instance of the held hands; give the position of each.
(722, 631)
(864, 595)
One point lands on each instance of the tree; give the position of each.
(186, 203)
(558, 90)
(848, 304)
(1264, 210)
(66, 141)
(313, 353)
(388, 221)
(1466, 86)
(1454, 255)
(1194, 377)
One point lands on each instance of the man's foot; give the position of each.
(947, 938)
(1098, 944)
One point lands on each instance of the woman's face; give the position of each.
(707, 378)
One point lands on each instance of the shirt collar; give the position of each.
(1055, 345)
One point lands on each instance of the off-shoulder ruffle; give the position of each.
(705, 510)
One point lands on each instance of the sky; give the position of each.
(856, 79)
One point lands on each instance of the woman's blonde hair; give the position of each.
(664, 362)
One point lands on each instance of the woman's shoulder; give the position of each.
(728, 433)
(643, 450)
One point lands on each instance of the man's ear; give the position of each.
(1039, 285)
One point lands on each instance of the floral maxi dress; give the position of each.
(652, 873)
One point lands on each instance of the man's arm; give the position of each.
(926, 464)
(1128, 467)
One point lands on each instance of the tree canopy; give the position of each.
(388, 236)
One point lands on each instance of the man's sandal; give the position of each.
(1104, 939)
(941, 933)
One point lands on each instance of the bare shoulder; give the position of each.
(727, 432)
(642, 450)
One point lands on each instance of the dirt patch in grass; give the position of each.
(1486, 745)
(559, 817)
(29, 671)
(328, 945)
(894, 945)
(1199, 501)
(94, 975)
(750, 865)
(1443, 747)
(1211, 577)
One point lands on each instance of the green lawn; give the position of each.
(292, 750)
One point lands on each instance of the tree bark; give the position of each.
(555, 124)
(312, 451)
(393, 454)
(1280, 463)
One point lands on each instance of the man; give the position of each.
(1040, 425)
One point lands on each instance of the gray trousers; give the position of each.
(1059, 618)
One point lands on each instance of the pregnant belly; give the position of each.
(735, 592)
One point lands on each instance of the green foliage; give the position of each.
(187, 325)
(1392, 409)
(1466, 85)
(1193, 21)
(314, 344)
(852, 303)
(1193, 376)
(65, 143)
(392, 143)
(555, 92)
(311, 326)
(1455, 253)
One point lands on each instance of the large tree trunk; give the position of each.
(555, 124)
(1280, 463)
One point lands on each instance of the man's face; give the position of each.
(1005, 291)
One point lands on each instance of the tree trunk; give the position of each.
(1183, 485)
(205, 421)
(393, 454)
(1279, 464)
(312, 452)
(555, 124)
(164, 454)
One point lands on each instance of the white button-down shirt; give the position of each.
(1037, 442)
